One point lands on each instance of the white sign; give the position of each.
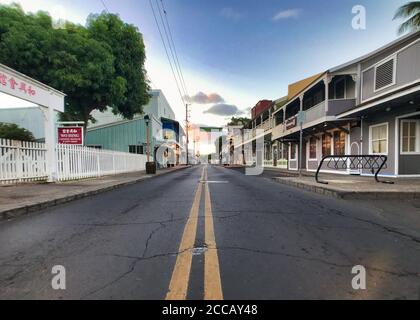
(23, 87)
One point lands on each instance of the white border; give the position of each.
(394, 74)
(387, 138)
(397, 147)
(417, 143)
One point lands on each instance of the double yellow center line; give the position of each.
(178, 287)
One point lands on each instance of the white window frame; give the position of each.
(309, 149)
(417, 152)
(333, 143)
(394, 74)
(295, 157)
(387, 138)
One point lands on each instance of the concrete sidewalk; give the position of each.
(21, 199)
(356, 187)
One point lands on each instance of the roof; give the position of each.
(377, 51)
(298, 87)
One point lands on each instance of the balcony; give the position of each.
(278, 131)
(266, 125)
(315, 113)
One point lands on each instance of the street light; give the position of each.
(147, 121)
(150, 166)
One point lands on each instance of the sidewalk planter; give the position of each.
(151, 167)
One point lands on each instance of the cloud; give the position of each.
(202, 98)
(287, 14)
(224, 110)
(230, 13)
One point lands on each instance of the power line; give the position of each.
(166, 51)
(173, 44)
(106, 8)
(170, 48)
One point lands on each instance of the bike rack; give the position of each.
(377, 162)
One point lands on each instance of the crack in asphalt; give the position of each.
(373, 223)
(134, 263)
(338, 265)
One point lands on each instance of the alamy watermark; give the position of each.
(359, 280)
(359, 19)
(58, 281)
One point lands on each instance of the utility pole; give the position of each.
(188, 135)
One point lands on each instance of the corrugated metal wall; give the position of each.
(119, 137)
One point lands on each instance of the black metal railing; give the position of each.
(373, 163)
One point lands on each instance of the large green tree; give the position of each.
(12, 131)
(97, 66)
(127, 46)
(410, 12)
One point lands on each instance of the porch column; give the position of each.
(327, 81)
(301, 137)
(49, 132)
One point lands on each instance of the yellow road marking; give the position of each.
(178, 287)
(212, 280)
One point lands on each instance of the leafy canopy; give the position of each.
(239, 121)
(97, 66)
(14, 132)
(410, 12)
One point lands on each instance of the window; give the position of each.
(385, 74)
(293, 151)
(339, 143)
(326, 145)
(95, 147)
(312, 148)
(378, 139)
(409, 136)
(340, 89)
(135, 149)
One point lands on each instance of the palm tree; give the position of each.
(411, 12)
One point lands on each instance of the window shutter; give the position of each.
(384, 74)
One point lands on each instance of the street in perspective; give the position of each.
(209, 151)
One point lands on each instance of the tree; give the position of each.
(14, 132)
(95, 70)
(127, 46)
(241, 121)
(410, 12)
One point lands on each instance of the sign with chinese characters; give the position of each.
(20, 86)
(70, 135)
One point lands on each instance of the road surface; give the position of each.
(209, 232)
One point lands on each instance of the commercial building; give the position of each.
(368, 106)
(112, 132)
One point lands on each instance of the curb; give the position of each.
(350, 195)
(25, 210)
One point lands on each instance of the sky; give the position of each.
(234, 53)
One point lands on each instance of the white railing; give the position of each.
(76, 162)
(22, 161)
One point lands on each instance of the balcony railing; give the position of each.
(315, 113)
(278, 131)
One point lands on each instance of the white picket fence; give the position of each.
(26, 161)
(76, 162)
(22, 161)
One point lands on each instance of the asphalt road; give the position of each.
(212, 232)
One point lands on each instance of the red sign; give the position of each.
(70, 135)
(291, 123)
